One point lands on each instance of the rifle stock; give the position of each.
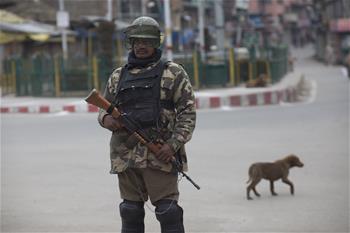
(98, 100)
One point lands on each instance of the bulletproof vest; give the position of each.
(138, 95)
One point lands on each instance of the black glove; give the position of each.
(111, 123)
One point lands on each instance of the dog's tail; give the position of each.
(252, 173)
(250, 179)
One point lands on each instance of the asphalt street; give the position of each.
(54, 167)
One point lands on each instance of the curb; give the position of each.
(77, 108)
(271, 97)
(249, 99)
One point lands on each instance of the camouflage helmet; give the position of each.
(143, 27)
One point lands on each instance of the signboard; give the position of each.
(340, 25)
(242, 4)
(291, 17)
(62, 19)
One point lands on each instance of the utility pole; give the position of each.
(119, 10)
(219, 23)
(143, 7)
(168, 32)
(63, 23)
(119, 43)
(201, 28)
(109, 15)
(241, 9)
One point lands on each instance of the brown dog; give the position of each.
(261, 81)
(272, 172)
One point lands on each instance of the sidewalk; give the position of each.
(284, 91)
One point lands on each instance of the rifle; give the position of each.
(130, 125)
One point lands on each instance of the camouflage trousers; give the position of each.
(137, 184)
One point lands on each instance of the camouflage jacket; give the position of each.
(176, 126)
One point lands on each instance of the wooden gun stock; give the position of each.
(98, 100)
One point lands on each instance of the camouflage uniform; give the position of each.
(172, 107)
(176, 126)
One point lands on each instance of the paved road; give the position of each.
(54, 168)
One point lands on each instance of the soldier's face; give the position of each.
(143, 48)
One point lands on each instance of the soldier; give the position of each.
(158, 95)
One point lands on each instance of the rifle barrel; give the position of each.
(190, 180)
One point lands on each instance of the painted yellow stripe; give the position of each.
(232, 66)
(57, 78)
(195, 70)
(95, 72)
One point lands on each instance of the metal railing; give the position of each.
(54, 76)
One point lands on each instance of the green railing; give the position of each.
(53, 76)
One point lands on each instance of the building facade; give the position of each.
(332, 42)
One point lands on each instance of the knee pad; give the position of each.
(132, 211)
(132, 214)
(170, 216)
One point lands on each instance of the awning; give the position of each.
(120, 25)
(9, 17)
(11, 37)
(29, 27)
(15, 28)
